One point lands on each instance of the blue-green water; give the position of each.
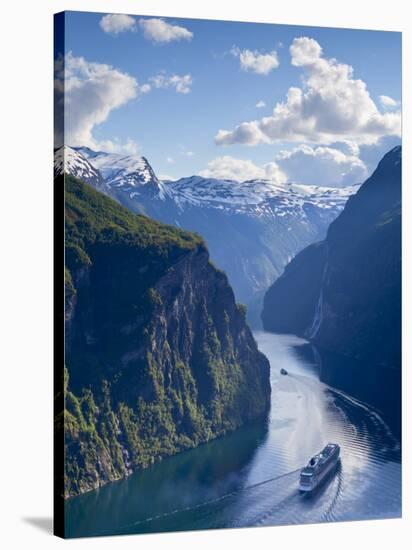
(249, 478)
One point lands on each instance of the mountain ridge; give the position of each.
(252, 229)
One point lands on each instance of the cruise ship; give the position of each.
(318, 467)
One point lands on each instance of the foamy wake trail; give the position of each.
(374, 415)
(215, 500)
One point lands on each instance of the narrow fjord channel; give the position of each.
(250, 477)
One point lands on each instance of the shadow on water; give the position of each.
(184, 480)
(379, 387)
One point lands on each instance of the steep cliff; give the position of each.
(344, 294)
(360, 303)
(293, 313)
(158, 355)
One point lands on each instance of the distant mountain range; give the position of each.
(252, 229)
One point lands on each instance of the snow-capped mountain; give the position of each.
(130, 172)
(72, 162)
(261, 196)
(252, 229)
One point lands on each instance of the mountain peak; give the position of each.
(393, 157)
(122, 170)
(68, 160)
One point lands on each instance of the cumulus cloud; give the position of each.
(117, 23)
(116, 145)
(182, 84)
(91, 92)
(260, 104)
(325, 166)
(158, 31)
(255, 61)
(320, 165)
(348, 147)
(387, 102)
(331, 106)
(231, 168)
(247, 133)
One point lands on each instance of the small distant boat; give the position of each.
(318, 467)
(283, 371)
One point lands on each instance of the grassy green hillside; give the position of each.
(92, 218)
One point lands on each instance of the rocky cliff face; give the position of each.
(344, 294)
(158, 355)
(359, 306)
(286, 313)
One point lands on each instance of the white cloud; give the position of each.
(231, 168)
(128, 147)
(157, 30)
(325, 166)
(182, 84)
(331, 106)
(170, 160)
(274, 173)
(305, 51)
(145, 88)
(247, 133)
(91, 92)
(255, 61)
(387, 102)
(117, 23)
(260, 104)
(348, 147)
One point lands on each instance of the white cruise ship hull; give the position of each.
(319, 478)
(309, 483)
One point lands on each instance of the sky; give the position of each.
(232, 100)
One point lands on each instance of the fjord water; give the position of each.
(250, 477)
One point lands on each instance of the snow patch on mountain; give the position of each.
(70, 161)
(133, 175)
(128, 171)
(261, 196)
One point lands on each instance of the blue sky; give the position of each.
(179, 132)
